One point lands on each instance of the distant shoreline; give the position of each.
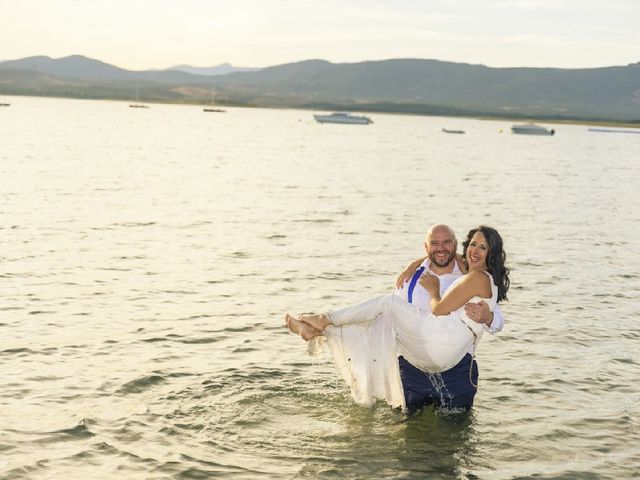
(406, 86)
(386, 108)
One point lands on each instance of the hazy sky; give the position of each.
(144, 34)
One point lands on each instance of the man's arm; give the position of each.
(479, 312)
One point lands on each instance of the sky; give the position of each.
(149, 34)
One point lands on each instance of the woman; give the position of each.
(366, 338)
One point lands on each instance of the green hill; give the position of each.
(612, 92)
(399, 85)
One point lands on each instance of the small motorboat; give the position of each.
(341, 117)
(531, 129)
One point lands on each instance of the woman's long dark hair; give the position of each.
(495, 258)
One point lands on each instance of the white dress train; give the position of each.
(366, 339)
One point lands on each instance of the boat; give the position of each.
(531, 129)
(209, 105)
(613, 130)
(342, 117)
(446, 130)
(136, 100)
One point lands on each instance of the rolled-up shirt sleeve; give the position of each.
(498, 321)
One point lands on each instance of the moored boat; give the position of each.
(342, 117)
(531, 129)
(613, 130)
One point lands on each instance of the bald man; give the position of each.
(456, 387)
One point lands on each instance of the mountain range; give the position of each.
(221, 69)
(399, 85)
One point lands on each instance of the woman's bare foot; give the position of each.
(318, 322)
(306, 331)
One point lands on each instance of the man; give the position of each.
(456, 387)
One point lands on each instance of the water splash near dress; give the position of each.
(315, 346)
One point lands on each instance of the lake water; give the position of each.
(149, 255)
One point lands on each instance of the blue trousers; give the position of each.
(450, 389)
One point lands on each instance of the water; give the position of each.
(149, 255)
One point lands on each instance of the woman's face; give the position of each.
(477, 252)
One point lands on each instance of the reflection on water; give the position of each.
(149, 256)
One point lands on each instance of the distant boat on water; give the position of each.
(342, 117)
(209, 104)
(446, 130)
(613, 130)
(136, 100)
(531, 129)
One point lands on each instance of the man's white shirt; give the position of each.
(422, 299)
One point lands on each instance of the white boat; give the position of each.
(603, 130)
(341, 117)
(531, 129)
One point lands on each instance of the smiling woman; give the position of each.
(484, 250)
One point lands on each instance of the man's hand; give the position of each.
(479, 312)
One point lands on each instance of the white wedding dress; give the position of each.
(366, 339)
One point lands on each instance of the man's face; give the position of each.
(441, 247)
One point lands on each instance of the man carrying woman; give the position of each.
(366, 339)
